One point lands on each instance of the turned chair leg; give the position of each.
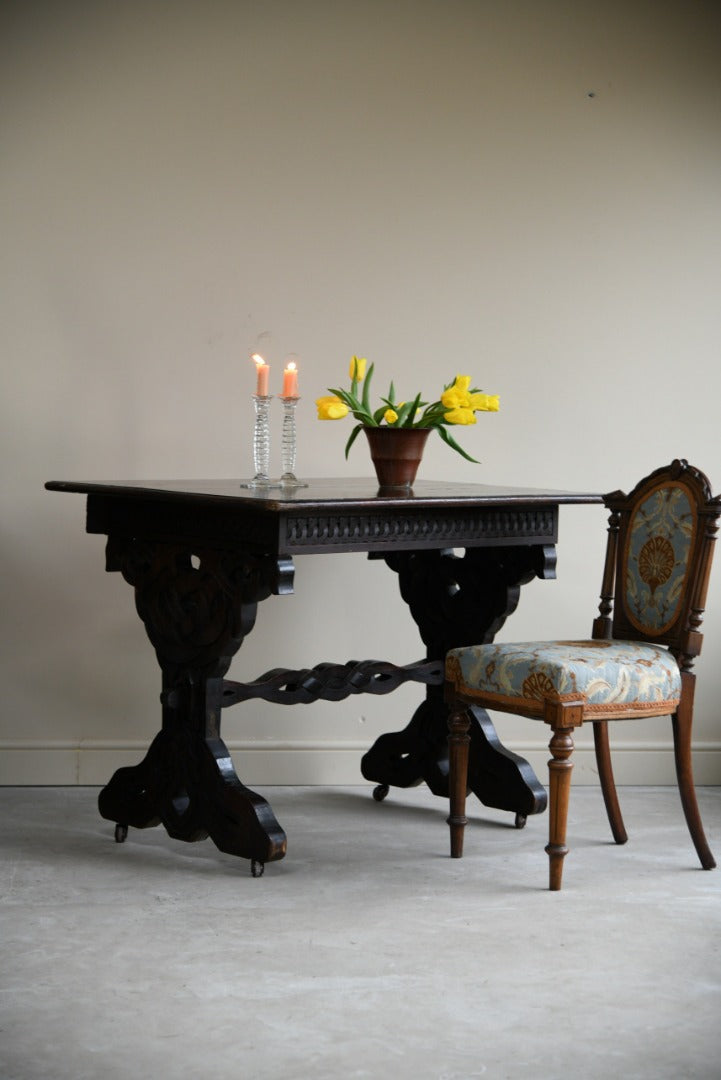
(682, 722)
(559, 768)
(458, 741)
(608, 786)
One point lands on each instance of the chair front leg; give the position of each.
(559, 769)
(459, 723)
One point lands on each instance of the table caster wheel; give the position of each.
(380, 792)
(520, 821)
(121, 832)
(257, 868)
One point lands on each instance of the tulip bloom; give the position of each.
(453, 399)
(331, 408)
(457, 396)
(460, 416)
(485, 402)
(357, 368)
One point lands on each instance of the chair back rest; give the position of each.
(658, 561)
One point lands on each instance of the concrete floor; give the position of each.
(367, 952)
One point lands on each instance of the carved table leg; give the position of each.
(456, 601)
(196, 617)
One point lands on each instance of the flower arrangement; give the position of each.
(457, 404)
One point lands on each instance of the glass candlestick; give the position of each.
(261, 442)
(288, 444)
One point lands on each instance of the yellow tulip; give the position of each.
(455, 398)
(357, 367)
(390, 416)
(462, 383)
(460, 416)
(485, 402)
(331, 408)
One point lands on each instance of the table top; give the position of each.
(325, 492)
(329, 515)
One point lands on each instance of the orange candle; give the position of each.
(290, 380)
(261, 388)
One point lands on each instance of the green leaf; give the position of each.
(352, 438)
(406, 412)
(447, 438)
(346, 397)
(432, 415)
(353, 404)
(367, 390)
(416, 404)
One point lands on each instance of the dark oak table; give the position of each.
(201, 556)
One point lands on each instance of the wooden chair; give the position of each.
(638, 662)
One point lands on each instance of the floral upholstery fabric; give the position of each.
(660, 539)
(611, 678)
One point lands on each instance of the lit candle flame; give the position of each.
(263, 371)
(290, 380)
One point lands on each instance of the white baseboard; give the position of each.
(271, 763)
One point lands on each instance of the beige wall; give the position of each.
(526, 191)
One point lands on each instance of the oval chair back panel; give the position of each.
(660, 540)
(655, 563)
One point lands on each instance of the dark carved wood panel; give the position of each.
(460, 600)
(410, 529)
(197, 608)
(216, 525)
(331, 682)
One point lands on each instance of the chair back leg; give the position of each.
(682, 723)
(608, 786)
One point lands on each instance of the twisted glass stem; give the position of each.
(289, 444)
(288, 439)
(261, 439)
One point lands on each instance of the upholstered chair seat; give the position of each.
(613, 679)
(636, 664)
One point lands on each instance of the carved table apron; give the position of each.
(201, 555)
